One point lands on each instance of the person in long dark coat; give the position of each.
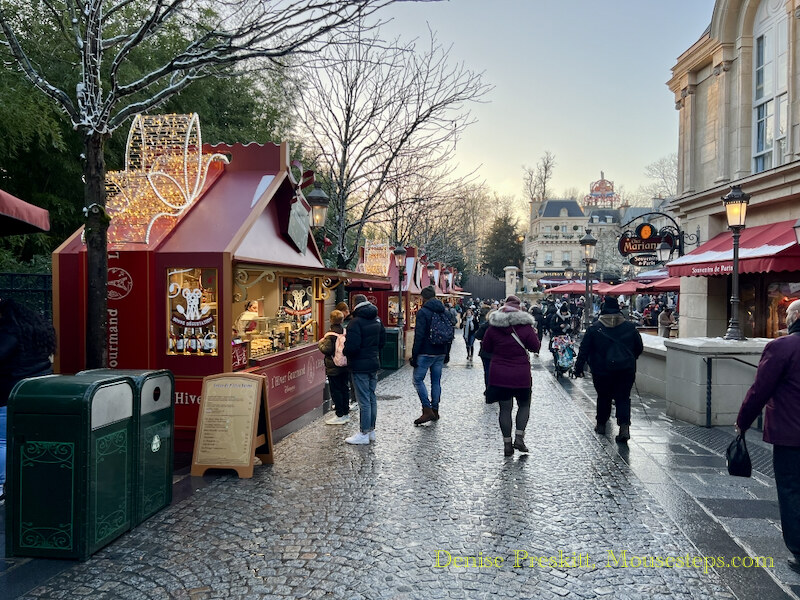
(612, 382)
(777, 388)
(510, 336)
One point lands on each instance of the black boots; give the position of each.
(508, 448)
(624, 434)
(600, 428)
(427, 415)
(519, 443)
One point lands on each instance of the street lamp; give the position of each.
(735, 203)
(589, 243)
(400, 261)
(569, 273)
(319, 201)
(664, 252)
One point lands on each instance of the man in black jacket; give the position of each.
(611, 346)
(428, 355)
(362, 347)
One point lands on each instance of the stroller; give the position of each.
(564, 352)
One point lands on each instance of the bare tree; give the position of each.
(376, 113)
(663, 175)
(536, 180)
(107, 42)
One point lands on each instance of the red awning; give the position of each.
(762, 249)
(602, 288)
(577, 287)
(670, 284)
(625, 289)
(18, 217)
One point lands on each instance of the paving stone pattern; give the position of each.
(329, 520)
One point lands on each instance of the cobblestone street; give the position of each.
(329, 520)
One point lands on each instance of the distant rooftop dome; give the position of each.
(553, 209)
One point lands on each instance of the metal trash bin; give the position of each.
(392, 353)
(70, 459)
(153, 426)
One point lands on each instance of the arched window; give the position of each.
(770, 77)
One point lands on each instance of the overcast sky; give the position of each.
(583, 79)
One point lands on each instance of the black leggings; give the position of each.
(505, 397)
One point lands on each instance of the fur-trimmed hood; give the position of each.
(507, 319)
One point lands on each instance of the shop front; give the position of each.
(232, 282)
(769, 276)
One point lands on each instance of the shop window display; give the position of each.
(278, 314)
(192, 312)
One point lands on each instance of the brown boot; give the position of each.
(427, 415)
(435, 414)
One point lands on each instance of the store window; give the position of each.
(770, 86)
(192, 312)
(779, 297)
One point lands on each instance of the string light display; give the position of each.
(165, 172)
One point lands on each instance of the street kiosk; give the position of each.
(212, 268)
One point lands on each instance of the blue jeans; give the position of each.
(365, 384)
(3, 443)
(435, 364)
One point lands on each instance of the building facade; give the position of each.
(737, 93)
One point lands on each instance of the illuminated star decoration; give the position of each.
(165, 171)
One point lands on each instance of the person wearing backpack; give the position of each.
(433, 334)
(611, 346)
(332, 346)
(362, 347)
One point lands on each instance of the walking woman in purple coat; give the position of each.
(510, 336)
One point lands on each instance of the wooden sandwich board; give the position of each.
(233, 426)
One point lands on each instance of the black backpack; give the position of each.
(441, 331)
(619, 357)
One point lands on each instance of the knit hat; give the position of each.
(511, 305)
(428, 292)
(610, 305)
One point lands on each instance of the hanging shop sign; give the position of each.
(645, 240)
(643, 260)
(377, 258)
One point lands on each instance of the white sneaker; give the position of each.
(372, 436)
(358, 439)
(338, 420)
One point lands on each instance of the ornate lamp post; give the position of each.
(735, 203)
(400, 261)
(569, 273)
(319, 201)
(589, 244)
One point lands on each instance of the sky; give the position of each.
(582, 79)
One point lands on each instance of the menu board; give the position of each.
(232, 422)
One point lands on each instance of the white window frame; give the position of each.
(770, 87)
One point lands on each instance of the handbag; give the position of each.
(738, 458)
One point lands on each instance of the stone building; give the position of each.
(553, 241)
(736, 90)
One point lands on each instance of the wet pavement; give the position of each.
(438, 512)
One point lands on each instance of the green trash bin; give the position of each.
(69, 466)
(153, 426)
(392, 353)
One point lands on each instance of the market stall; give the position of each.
(212, 268)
